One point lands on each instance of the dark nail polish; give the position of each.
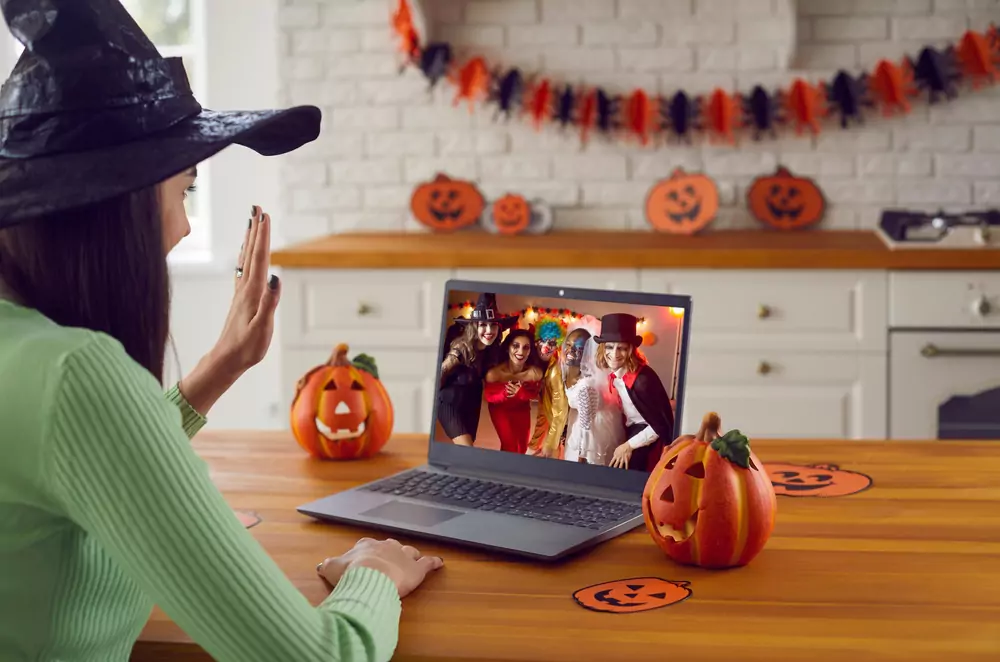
(249, 223)
(253, 211)
(272, 282)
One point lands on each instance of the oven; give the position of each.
(944, 355)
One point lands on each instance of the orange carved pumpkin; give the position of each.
(815, 480)
(784, 201)
(341, 410)
(447, 204)
(708, 502)
(511, 214)
(683, 204)
(625, 596)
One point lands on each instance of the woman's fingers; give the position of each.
(260, 255)
(412, 552)
(256, 214)
(241, 260)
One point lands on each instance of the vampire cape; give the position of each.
(652, 402)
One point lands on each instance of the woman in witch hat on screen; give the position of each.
(472, 347)
(105, 509)
(649, 419)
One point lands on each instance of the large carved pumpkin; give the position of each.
(341, 410)
(784, 201)
(683, 204)
(447, 204)
(709, 502)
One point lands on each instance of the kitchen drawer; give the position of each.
(600, 279)
(771, 394)
(374, 307)
(408, 376)
(823, 311)
(934, 299)
(957, 369)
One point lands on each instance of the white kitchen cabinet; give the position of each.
(823, 311)
(935, 300)
(775, 394)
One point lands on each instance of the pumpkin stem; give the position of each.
(782, 172)
(709, 429)
(735, 447)
(339, 356)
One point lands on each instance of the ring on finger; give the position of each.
(239, 272)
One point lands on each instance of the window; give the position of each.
(175, 28)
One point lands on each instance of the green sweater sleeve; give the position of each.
(191, 420)
(121, 467)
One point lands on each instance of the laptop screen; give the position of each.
(583, 381)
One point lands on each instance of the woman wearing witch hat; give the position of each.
(105, 509)
(649, 419)
(472, 350)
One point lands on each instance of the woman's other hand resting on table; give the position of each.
(403, 564)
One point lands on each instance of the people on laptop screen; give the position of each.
(598, 399)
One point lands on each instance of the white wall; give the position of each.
(386, 133)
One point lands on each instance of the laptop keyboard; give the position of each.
(475, 494)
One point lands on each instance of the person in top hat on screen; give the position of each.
(105, 509)
(649, 419)
(469, 353)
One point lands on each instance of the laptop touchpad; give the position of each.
(412, 513)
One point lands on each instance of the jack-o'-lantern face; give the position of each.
(786, 202)
(683, 204)
(511, 214)
(447, 204)
(818, 480)
(625, 596)
(343, 409)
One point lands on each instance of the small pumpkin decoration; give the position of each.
(514, 214)
(683, 204)
(446, 204)
(341, 410)
(785, 201)
(708, 502)
(511, 214)
(815, 480)
(626, 596)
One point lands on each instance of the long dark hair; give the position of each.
(532, 359)
(100, 267)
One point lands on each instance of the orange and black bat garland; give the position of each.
(720, 115)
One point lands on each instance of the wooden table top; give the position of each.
(906, 570)
(728, 249)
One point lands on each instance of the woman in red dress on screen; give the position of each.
(510, 388)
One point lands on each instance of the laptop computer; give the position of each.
(547, 384)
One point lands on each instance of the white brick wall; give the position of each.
(383, 133)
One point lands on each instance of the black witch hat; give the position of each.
(486, 310)
(92, 111)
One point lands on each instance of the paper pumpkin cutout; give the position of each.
(628, 596)
(683, 204)
(707, 502)
(815, 480)
(446, 204)
(785, 201)
(514, 214)
(247, 518)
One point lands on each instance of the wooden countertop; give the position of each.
(906, 570)
(737, 249)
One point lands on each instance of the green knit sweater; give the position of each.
(105, 510)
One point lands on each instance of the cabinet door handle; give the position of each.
(932, 351)
(763, 311)
(763, 368)
(982, 307)
(364, 309)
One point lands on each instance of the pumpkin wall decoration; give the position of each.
(445, 204)
(341, 411)
(514, 214)
(683, 204)
(626, 596)
(709, 502)
(815, 480)
(784, 201)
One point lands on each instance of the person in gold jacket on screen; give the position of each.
(552, 407)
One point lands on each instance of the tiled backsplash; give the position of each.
(383, 132)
